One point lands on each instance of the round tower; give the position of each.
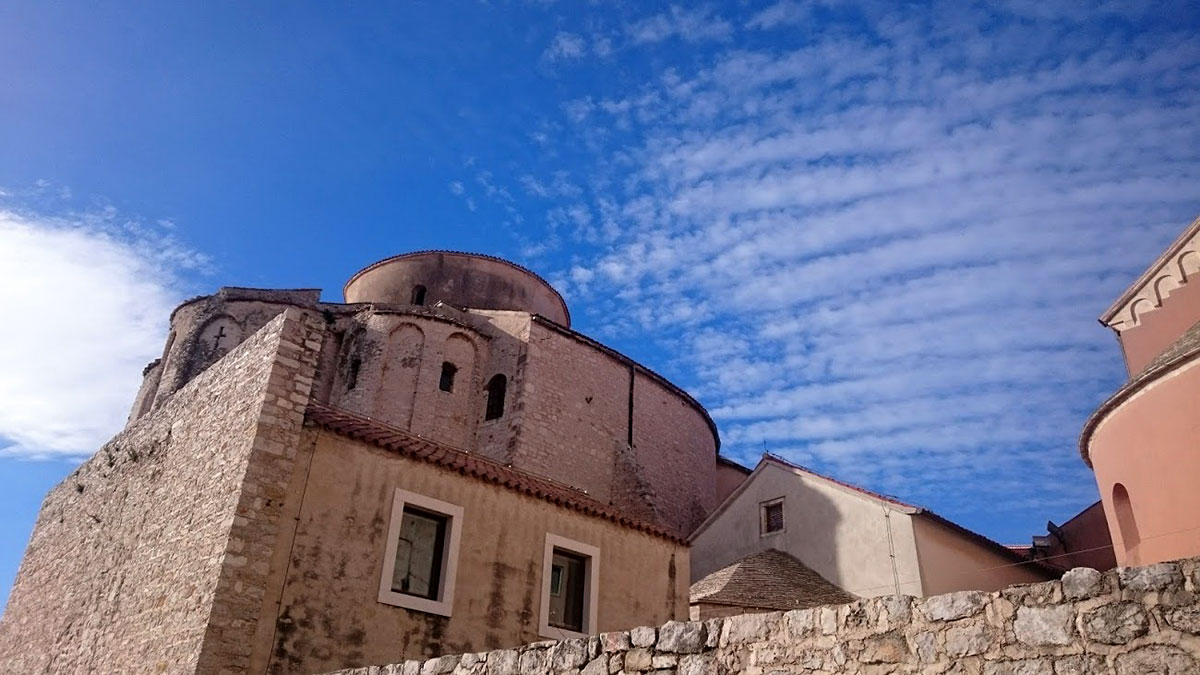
(460, 279)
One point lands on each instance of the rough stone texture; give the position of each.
(953, 606)
(1040, 629)
(1043, 626)
(1151, 577)
(1081, 582)
(1115, 624)
(681, 637)
(143, 559)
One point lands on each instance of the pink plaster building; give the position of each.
(1144, 442)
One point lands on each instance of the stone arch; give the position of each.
(400, 374)
(215, 339)
(459, 350)
(1189, 264)
(1163, 287)
(496, 391)
(1138, 308)
(351, 361)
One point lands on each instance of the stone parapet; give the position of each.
(1128, 621)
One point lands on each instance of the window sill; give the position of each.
(412, 602)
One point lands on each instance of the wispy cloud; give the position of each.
(690, 24)
(565, 46)
(882, 250)
(87, 295)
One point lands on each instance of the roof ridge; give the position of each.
(381, 434)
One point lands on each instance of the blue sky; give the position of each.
(871, 238)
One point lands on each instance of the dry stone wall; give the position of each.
(1130, 621)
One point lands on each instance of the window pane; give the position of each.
(566, 608)
(419, 554)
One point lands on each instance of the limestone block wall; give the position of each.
(140, 559)
(1128, 621)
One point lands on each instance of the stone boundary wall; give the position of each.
(1129, 621)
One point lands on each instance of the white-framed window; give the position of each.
(570, 588)
(770, 517)
(421, 554)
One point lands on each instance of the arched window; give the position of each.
(1126, 524)
(495, 397)
(447, 381)
(418, 295)
(352, 374)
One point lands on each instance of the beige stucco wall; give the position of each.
(330, 617)
(1149, 444)
(950, 561)
(841, 535)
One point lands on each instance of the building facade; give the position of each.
(438, 464)
(1143, 443)
(863, 543)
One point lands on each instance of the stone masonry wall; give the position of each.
(1129, 621)
(136, 562)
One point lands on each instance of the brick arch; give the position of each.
(400, 370)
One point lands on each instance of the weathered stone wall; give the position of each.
(1132, 621)
(138, 560)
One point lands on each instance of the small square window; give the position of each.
(569, 589)
(771, 517)
(421, 554)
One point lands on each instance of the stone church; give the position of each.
(439, 464)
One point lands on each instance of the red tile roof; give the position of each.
(412, 446)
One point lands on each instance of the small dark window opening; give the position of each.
(772, 517)
(419, 554)
(495, 397)
(352, 376)
(447, 381)
(418, 296)
(568, 576)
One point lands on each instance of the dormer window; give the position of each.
(418, 295)
(448, 372)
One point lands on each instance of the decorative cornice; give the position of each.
(1185, 350)
(1174, 268)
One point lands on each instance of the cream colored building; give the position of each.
(864, 543)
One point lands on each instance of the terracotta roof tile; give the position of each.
(361, 428)
(769, 579)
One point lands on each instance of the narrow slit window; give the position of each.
(352, 375)
(495, 397)
(418, 295)
(447, 381)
